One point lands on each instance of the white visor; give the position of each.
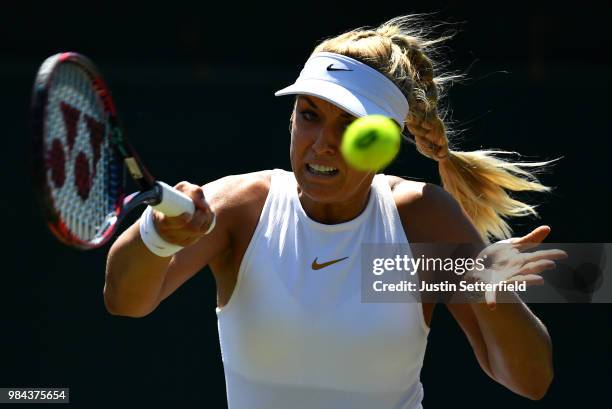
(351, 85)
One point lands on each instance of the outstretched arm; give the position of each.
(135, 277)
(510, 343)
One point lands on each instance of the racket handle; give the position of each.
(173, 202)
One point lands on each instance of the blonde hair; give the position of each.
(480, 180)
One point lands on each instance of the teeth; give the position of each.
(320, 168)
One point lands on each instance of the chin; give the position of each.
(324, 191)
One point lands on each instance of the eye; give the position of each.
(308, 115)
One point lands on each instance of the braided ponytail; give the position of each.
(478, 180)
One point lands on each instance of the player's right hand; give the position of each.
(185, 229)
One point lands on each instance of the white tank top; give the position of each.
(292, 337)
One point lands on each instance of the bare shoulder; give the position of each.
(234, 192)
(237, 201)
(429, 213)
(405, 191)
(413, 194)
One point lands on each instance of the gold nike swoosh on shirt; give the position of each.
(317, 266)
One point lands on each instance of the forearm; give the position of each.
(134, 276)
(518, 347)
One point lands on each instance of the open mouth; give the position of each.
(320, 170)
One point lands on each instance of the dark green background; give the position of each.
(194, 86)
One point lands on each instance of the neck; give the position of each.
(335, 212)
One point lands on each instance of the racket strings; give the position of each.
(83, 174)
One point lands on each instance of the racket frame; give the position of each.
(149, 191)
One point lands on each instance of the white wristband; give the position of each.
(152, 239)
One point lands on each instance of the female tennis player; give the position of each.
(284, 247)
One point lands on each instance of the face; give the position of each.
(316, 134)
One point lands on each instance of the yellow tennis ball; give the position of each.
(371, 142)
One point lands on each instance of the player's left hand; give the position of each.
(506, 262)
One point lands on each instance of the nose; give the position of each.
(326, 142)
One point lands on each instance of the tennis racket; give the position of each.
(80, 154)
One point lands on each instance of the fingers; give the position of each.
(491, 299)
(553, 254)
(537, 235)
(211, 224)
(538, 261)
(200, 222)
(536, 267)
(532, 239)
(195, 192)
(530, 279)
(186, 228)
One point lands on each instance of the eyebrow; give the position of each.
(313, 105)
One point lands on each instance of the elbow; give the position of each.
(539, 389)
(116, 309)
(125, 312)
(532, 382)
(536, 386)
(542, 377)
